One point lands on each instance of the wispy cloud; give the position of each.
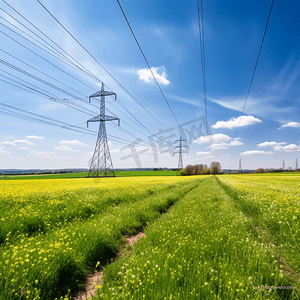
(278, 146)
(66, 148)
(16, 142)
(286, 77)
(256, 152)
(190, 101)
(73, 142)
(35, 137)
(218, 141)
(145, 74)
(203, 153)
(287, 148)
(235, 122)
(215, 138)
(270, 144)
(273, 98)
(290, 124)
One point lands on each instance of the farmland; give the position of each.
(225, 237)
(85, 174)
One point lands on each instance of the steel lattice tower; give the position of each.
(101, 165)
(296, 164)
(283, 165)
(240, 165)
(180, 151)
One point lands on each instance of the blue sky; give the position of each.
(168, 34)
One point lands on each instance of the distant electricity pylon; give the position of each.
(296, 164)
(180, 151)
(101, 165)
(240, 165)
(283, 165)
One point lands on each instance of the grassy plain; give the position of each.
(84, 175)
(52, 232)
(209, 247)
(226, 237)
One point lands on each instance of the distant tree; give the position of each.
(207, 171)
(189, 170)
(197, 170)
(201, 168)
(260, 170)
(181, 172)
(215, 167)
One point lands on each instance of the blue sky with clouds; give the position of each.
(168, 34)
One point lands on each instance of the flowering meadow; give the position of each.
(217, 243)
(225, 237)
(53, 232)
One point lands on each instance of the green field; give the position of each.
(225, 237)
(84, 175)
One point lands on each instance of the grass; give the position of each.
(206, 247)
(68, 236)
(225, 237)
(84, 175)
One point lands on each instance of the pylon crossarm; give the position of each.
(109, 118)
(102, 93)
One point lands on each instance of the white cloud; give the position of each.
(287, 148)
(256, 152)
(219, 146)
(278, 146)
(34, 137)
(50, 155)
(193, 102)
(264, 106)
(5, 143)
(290, 124)
(270, 144)
(203, 153)
(236, 143)
(44, 154)
(219, 141)
(16, 142)
(145, 74)
(215, 138)
(24, 148)
(235, 122)
(74, 142)
(66, 148)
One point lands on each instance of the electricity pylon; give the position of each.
(180, 151)
(296, 164)
(101, 165)
(240, 165)
(283, 165)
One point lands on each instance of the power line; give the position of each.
(21, 114)
(261, 45)
(56, 99)
(39, 79)
(41, 56)
(86, 72)
(202, 50)
(147, 63)
(42, 72)
(52, 42)
(125, 108)
(64, 101)
(100, 64)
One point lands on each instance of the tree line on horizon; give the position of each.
(201, 169)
